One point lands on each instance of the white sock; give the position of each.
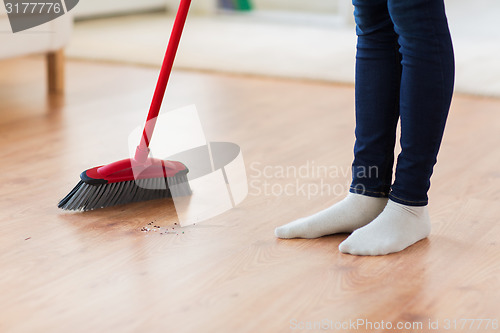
(396, 228)
(353, 212)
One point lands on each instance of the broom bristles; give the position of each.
(85, 197)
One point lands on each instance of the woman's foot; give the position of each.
(354, 212)
(396, 228)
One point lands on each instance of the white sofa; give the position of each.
(49, 39)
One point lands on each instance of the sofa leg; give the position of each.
(55, 71)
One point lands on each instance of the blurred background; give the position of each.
(312, 39)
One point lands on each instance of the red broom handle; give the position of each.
(142, 151)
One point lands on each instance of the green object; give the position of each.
(243, 5)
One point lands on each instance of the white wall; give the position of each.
(197, 6)
(88, 8)
(321, 6)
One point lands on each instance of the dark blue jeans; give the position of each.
(404, 70)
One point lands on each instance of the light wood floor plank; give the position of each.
(97, 272)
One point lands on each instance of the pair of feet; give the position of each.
(379, 226)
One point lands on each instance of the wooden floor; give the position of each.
(98, 272)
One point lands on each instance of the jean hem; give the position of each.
(414, 203)
(368, 193)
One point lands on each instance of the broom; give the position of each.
(140, 178)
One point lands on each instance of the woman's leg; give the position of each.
(426, 91)
(378, 76)
(377, 90)
(425, 97)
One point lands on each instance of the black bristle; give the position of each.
(85, 196)
(65, 200)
